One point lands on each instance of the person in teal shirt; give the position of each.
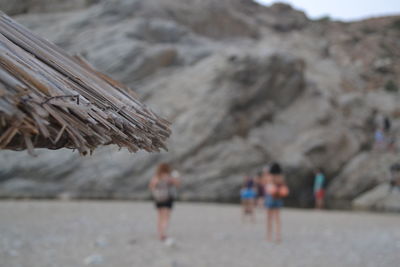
(319, 192)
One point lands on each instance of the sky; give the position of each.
(346, 10)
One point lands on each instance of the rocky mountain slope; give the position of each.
(243, 85)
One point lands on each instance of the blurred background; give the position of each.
(244, 83)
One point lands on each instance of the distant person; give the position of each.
(260, 189)
(275, 189)
(390, 137)
(319, 191)
(394, 177)
(379, 138)
(386, 125)
(163, 187)
(248, 194)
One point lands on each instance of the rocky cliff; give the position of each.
(243, 85)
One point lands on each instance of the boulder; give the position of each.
(287, 19)
(381, 198)
(361, 174)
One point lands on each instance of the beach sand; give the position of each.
(119, 234)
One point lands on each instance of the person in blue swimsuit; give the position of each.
(248, 194)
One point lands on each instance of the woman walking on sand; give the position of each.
(276, 189)
(163, 188)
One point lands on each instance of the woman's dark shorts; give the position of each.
(168, 204)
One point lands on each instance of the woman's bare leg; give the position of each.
(319, 203)
(247, 209)
(269, 214)
(243, 210)
(277, 225)
(160, 220)
(252, 208)
(167, 215)
(163, 217)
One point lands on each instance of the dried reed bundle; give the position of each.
(49, 99)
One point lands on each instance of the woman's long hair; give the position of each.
(276, 171)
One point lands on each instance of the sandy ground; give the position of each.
(45, 233)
